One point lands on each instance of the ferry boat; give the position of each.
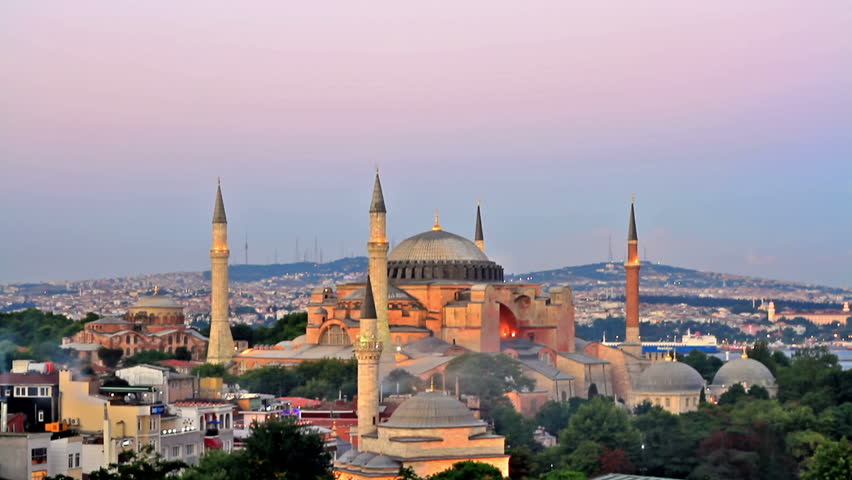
(688, 343)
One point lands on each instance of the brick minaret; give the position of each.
(377, 248)
(479, 238)
(368, 349)
(632, 343)
(221, 346)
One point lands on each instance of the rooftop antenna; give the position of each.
(296, 257)
(610, 248)
(246, 248)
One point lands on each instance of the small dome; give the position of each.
(746, 371)
(394, 293)
(669, 377)
(383, 461)
(436, 245)
(157, 301)
(432, 410)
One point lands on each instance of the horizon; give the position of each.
(730, 124)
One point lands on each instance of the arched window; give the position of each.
(334, 335)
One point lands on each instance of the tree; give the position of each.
(758, 392)
(110, 356)
(401, 382)
(488, 376)
(512, 425)
(217, 465)
(182, 353)
(808, 379)
(149, 357)
(593, 391)
(832, 460)
(705, 364)
(287, 327)
(554, 416)
(91, 317)
(586, 458)
(761, 352)
(668, 449)
(733, 395)
(562, 475)
(604, 422)
(469, 471)
(283, 446)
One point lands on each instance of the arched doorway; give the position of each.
(508, 323)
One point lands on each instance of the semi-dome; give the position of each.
(437, 245)
(746, 371)
(669, 377)
(432, 410)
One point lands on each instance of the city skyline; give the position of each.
(118, 121)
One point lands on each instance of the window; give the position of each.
(39, 475)
(668, 402)
(175, 452)
(32, 391)
(127, 339)
(190, 450)
(41, 415)
(77, 460)
(39, 455)
(43, 391)
(70, 460)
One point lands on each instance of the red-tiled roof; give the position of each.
(300, 402)
(179, 363)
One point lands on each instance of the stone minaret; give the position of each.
(378, 272)
(632, 343)
(221, 346)
(479, 238)
(368, 349)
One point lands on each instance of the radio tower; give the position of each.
(246, 248)
(610, 248)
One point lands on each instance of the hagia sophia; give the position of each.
(435, 296)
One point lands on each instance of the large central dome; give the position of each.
(437, 245)
(439, 255)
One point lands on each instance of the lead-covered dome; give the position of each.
(441, 255)
(437, 245)
(669, 377)
(432, 410)
(746, 371)
(157, 301)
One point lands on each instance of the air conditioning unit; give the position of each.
(74, 421)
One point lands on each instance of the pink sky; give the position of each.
(114, 110)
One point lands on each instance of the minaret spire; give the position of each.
(219, 208)
(479, 237)
(220, 348)
(377, 205)
(377, 248)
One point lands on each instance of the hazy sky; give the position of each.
(731, 121)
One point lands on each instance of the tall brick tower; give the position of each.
(479, 238)
(221, 347)
(368, 349)
(632, 343)
(377, 248)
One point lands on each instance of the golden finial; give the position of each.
(744, 355)
(437, 225)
